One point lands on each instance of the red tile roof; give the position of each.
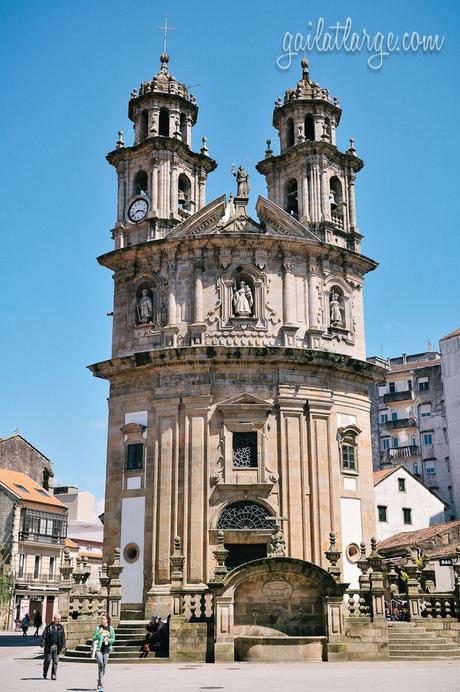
(415, 365)
(407, 538)
(26, 489)
(383, 473)
(456, 332)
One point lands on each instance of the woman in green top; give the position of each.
(104, 636)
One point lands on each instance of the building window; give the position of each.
(392, 387)
(134, 454)
(244, 515)
(427, 438)
(244, 450)
(409, 385)
(21, 488)
(402, 485)
(382, 389)
(386, 443)
(423, 384)
(290, 133)
(382, 511)
(131, 552)
(51, 567)
(425, 411)
(407, 515)
(22, 561)
(292, 198)
(415, 469)
(37, 567)
(395, 442)
(394, 415)
(309, 127)
(163, 123)
(430, 469)
(349, 457)
(383, 417)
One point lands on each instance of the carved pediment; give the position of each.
(245, 400)
(279, 222)
(203, 222)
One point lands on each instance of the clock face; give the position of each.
(138, 210)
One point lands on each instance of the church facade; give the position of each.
(238, 379)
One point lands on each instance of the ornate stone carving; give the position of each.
(242, 300)
(144, 307)
(335, 310)
(242, 181)
(277, 544)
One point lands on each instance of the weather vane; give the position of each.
(165, 28)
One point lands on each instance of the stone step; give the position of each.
(441, 652)
(419, 640)
(419, 646)
(149, 659)
(116, 649)
(424, 657)
(126, 641)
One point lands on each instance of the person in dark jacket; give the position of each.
(25, 624)
(38, 622)
(53, 643)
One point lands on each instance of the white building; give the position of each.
(404, 503)
(450, 368)
(80, 503)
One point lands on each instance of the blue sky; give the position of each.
(67, 69)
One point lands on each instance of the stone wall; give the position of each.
(17, 454)
(189, 641)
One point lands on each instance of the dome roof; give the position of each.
(164, 83)
(307, 90)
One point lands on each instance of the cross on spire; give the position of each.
(165, 28)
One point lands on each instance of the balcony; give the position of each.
(41, 538)
(30, 578)
(399, 453)
(400, 423)
(391, 397)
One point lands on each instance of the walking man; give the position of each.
(38, 622)
(53, 643)
(104, 636)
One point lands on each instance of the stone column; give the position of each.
(114, 590)
(174, 188)
(312, 296)
(121, 171)
(325, 206)
(351, 199)
(201, 189)
(377, 585)
(189, 131)
(154, 189)
(198, 305)
(172, 308)
(289, 297)
(305, 205)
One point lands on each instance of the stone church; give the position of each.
(238, 380)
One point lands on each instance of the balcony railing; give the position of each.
(409, 422)
(399, 453)
(390, 397)
(40, 538)
(30, 578)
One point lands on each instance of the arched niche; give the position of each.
(147, 303)
(290, 140)
(291, 198)
(235, 312)
(163, 123)
(338, 309)
(309, 127)
(141, 183)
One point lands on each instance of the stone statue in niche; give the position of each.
(242, 181)
(144, 307)
(243, 300)
(335, 311)
(277, 543)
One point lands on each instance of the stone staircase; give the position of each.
(406, 640)
(127, 648)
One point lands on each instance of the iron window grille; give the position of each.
(247, 516)
(244, 450)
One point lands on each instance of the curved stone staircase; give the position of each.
(407, 640)
(129, 639)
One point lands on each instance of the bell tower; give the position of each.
(161, 180)
(310, 178)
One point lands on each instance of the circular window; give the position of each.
(353, 552)
(131, 552)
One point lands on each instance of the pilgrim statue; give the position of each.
(335, 310)
(242, 181)
(242, 300)
(145, 307)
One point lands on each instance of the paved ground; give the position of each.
(19, 670)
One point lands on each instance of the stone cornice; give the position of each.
(221, 356)
(301, 247)
(152, 145)
(308, 149)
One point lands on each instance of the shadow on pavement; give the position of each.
(18, 640)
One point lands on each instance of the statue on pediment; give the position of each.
(242, 181)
